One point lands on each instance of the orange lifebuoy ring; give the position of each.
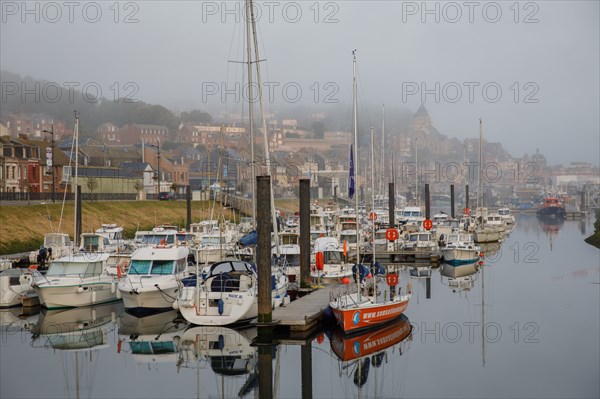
(319, 260)
(392, 279)
(163, 242)
(391, 234)
(427, 224)
(372, 216)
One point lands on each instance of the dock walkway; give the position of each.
(303, 314)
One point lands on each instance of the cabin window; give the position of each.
(332, 257)
(139, 266)
(90, 243)
(67, 268)
(162, 267)
(181, 264)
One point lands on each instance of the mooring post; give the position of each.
(466, 196)
(428, 287)
(306, 363)
(427, 203)
(78, 216)
(452, 201)
(188, 198)
(391, 204)
(304, 233)
(582, 198)
(263, 256)
(265, 361)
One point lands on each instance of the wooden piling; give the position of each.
(263, 256)
(265, 359)
(466, 196)
(452, 201)
(304, 233)
(188, 197)
(306, 363)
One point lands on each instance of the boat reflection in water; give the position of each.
(76, 328)
(18, 319)
(551, 227)
(153, 338)
(358, 353)
(459, 278)
(79, 335)
(228, 352)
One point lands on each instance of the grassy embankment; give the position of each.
(22, 227)
(594, 239)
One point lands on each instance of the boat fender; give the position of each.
(176, 305)
(220, 306)
(79, 289)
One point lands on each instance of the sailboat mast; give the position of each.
(264, 125)
(75, 180)
(250, 108)
(373, 190)
(480, 186)
(382, 172)
(356, 168)
(417, 171)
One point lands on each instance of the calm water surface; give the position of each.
(526, 324)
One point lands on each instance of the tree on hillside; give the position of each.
(318, 129)
(196, 116)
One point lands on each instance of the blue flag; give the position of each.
(351, 178)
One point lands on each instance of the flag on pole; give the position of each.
(351, 178)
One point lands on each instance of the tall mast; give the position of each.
(264, 125)
(76, 180)
(250, 108)
(480, 186)
(417, 171)
(373, 189)
(382, 172)
(356, 169)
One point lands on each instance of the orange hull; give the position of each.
(369, 315)
(370, 342)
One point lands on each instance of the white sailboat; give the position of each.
(355, 311)
(483, 233)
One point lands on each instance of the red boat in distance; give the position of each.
(552, 206)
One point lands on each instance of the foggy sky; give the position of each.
(173, 51)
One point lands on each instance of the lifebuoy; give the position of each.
(319, 260)
(372, 216)
(163, 242)
(391, 234)
(392, 279)
(427, 224)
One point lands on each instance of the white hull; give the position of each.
(460, 254)
(54, 296)
(149, 292)
(487, 235)
(236, 307)
(151, 299)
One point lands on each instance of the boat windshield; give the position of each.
(56, 240)
(156, 267)
(292, 259)
(350, 239)
(92, 243)
(332, 257)
(152, 348)
(207, 240)
(157, 238)
(84, 269)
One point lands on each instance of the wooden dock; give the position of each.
(302, 316)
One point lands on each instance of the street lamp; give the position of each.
(52, 166)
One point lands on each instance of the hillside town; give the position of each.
(140, 160)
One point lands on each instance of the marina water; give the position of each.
(526, 324)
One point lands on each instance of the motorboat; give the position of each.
(153, 280)
(459, 248)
